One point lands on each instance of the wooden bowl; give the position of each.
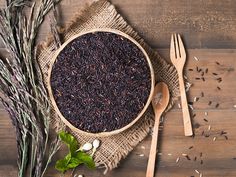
(101, 134)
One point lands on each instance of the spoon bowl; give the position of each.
(161, 97)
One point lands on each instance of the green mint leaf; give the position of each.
(68, 157)
(74, 158)
(85, 159)
(62, 165)
(74, 162)
(70, 141)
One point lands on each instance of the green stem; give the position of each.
(24, 157)
(55, 148)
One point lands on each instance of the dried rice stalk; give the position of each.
(23, 93)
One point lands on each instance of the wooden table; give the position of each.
(209, 30)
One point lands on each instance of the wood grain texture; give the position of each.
(204, 24)
(218, 156)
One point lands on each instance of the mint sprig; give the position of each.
(75, 157)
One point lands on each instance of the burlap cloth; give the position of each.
(102, 14)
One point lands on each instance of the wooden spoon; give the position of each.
(159, 103)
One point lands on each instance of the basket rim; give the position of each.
(54, 104)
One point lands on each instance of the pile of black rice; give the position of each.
(100, 81)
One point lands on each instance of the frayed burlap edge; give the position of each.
(102, 14)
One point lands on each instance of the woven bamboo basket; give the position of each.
(100, 134)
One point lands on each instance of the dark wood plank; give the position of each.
(226, 70)
(205, 24)
(217, 155)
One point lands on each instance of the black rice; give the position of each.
(100, 82)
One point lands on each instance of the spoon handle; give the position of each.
(153, 149)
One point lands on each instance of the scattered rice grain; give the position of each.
(223, 132)
(177, 160)
(187, 86)
(200, 154)
(195, 99)
(187, 157)
(179, 105)
(209, 127)
(196, 58)
(202, 94)
(219, 79)
(190, 106)
(205, 120)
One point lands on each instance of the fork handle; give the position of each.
(188, 131)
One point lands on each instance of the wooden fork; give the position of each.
(178, 58)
